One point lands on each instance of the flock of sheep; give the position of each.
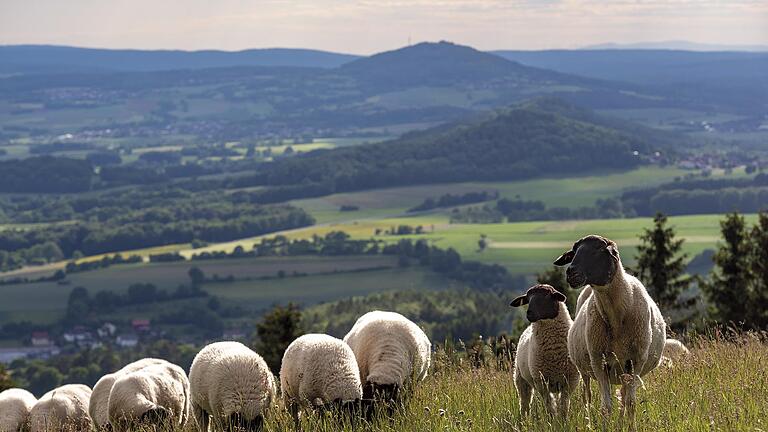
(618, 336)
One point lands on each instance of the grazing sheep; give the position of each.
(64, 408)
(157, 394)
(98, 408)
(15, 405)
(673, 351)
(319, 370)
(231, 383)
(542, 362)
(392, 352)
(619, 333)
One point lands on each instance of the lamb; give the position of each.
(15, 405)
(157, 394)
(231, 383)
(392, 353)
(319, 370)
(673, 351)
(542, 362)
(98, 407)
(618, 334)
(64, 408)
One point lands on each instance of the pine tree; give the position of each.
(757, 313)
(276, 330)
(661, 266)
(730, 285)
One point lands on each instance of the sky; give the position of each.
(367, 26)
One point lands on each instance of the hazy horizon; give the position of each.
(365, 27)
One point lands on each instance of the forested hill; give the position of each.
(515, 143)
(445, 63)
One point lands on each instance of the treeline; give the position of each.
(135, 220)
(748, 195)
(449, 200)
(45, 174)
(442, 314)
(516, 210)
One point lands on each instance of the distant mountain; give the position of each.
(679, 45)
(442, 63)
(55, 59)
(737, 80)
(515, 143)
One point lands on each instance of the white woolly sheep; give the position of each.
(619, 333)
(64, 408)
(673, 351)
(232, 384)
(319, 370)
(156, 394)
(15, 405)
(541, 361)
(98, 408)
(392, 353)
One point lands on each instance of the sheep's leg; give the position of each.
(549, 401)
(293, 408)
(564, 404)
(202, 418)
(628, 394)
(524, 393)
(587, 390)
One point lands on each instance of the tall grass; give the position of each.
(722, 386)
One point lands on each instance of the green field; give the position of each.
(46, 301)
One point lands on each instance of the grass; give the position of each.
(721, 387)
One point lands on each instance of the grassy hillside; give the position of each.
(720, 388)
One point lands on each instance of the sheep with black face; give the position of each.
(618, 334)
(542, 362)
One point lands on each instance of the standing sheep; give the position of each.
(64, 408)
(619, 333)
(231, 383)
(15, 405)
(542, 362)
(98, 408)
(392, 353)
(157, 394)
(318, 370)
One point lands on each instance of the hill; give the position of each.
(737, 80)
(49, 58)
(442, 63)
(515, 143)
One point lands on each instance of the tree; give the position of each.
(758, 311)
(728, 289)
(196, 276)
(6, 381)
(661, 266)
(555, 276)
(276, 330)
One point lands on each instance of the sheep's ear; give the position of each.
(519, 301)
(565, 258)
(613, 251)
(558, 296)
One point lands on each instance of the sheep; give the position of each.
(319, 370)
(673, 351)
(98, 408)
(157, 394)
(64, 408)
(541, 361)
(231, 383)
(15, 405)
(619, 333)
(392, 353)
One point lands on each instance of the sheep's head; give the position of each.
(542, 301)
(593, 260)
